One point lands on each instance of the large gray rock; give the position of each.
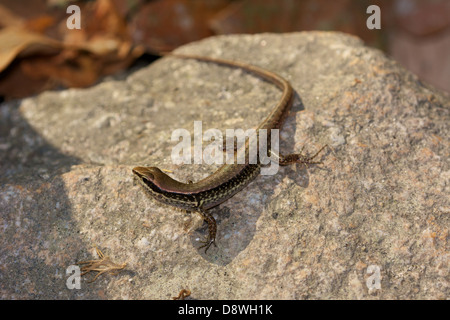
(379, 201)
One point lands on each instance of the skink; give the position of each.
(229, 179)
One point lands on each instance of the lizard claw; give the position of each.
(207, 243)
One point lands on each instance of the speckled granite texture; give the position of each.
(380, 198)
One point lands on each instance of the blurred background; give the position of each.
(38, 52)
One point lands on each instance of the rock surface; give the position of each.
(379, 202)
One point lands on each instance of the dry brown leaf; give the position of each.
(103, 46)
(184, 293)
(40, 24)
(9, 19)
(16, 42)
(80, 71)
(102, 265)
(165, 25)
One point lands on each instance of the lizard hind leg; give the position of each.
(212, 230)
(299, 158)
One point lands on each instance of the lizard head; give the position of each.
(153, 177)
(149, 174)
